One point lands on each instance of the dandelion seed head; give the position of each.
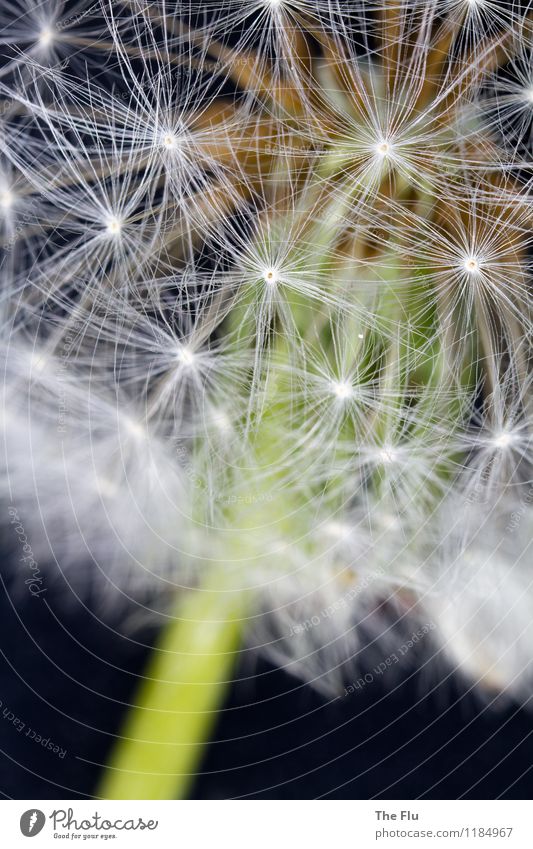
(388, 455)
(46, 37)
(106, 487)
(271, 276)
(503, 439)
(113, 226)
(38, 362)
(342, 389)
(213, 240)
(170, 140)
(383, 148)
(221, 421)
(390, 522)
(135, 429)
(472, 265)
(185, 356)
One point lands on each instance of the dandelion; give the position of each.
(266, 333)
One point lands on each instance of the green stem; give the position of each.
(161, 745)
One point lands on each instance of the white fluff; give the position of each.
(266, 309)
